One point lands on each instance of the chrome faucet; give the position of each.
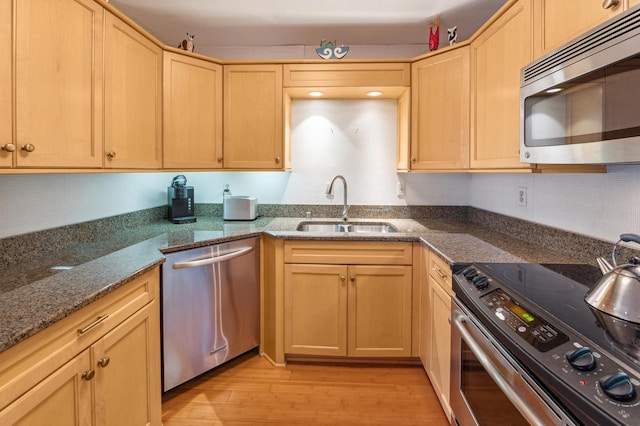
(345, 209)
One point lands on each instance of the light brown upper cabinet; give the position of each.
(440, 112)
(253, 120)
(557, 22)
(7, 144)
(192, 114)
(133, 98)
(497, 55)
(58, 83)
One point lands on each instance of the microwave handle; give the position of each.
(211, 260)
(495, 374)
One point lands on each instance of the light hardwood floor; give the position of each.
(250, 391)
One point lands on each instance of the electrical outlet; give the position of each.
(400, 190)
(522, 195)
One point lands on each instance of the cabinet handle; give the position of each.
(103, 362)
(111, 154)
(88, 375)
(98, 320)
(610, 4)
(220, 159)
(277, 160)
(28, 147)
(440, 274)
(9, 147)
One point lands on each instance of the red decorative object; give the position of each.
(434, 36)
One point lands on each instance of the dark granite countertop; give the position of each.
(48, 287)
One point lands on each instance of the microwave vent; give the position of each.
(614, 31)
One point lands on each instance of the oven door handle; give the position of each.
(495, 374)
(211, 260)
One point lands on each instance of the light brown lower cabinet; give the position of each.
(100, 366)
(339, 309)
(435, 328)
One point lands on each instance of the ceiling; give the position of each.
(228, 23)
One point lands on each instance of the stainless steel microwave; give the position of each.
(580, 104)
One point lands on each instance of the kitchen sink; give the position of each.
(356, 227)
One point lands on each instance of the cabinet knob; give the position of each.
(610, 4)
(28, 147)
(220, 159)
(413, 159)
(277, 160)
(88, 375)
(103, 362)
(111, 154)
(352, 279)
(342, 278)
(9, 147)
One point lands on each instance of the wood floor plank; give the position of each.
(250, 391)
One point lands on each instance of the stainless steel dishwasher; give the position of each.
(210, 308)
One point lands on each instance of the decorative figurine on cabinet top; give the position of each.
(187, 43)
(434, 36)
(453, 35)
(328, 50)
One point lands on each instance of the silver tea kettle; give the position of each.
(617, 293)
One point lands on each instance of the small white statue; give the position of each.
(187, 43)
(453, 35)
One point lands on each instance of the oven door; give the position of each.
(488, 387)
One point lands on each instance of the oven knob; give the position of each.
(581, 359)
(480, 282)
(470, 273)
(618, 386)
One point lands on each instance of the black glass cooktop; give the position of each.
(558, 289)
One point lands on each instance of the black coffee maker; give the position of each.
(180, 201)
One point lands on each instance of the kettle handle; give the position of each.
(627, 238)
(630, 238)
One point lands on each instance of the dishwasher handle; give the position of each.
(211, 260)
(495, 374)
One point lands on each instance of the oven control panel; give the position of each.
(527, 324)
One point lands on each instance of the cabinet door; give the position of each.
(497, 56)
(561, 21)
(425, 310)
(133, 98)
(315, 309)
(379, 306)
(192, 95)
(440, 342)
(63, 398)
(440, 112)
(253, 117)
(6, 81)
(59, 83)
(127, 363)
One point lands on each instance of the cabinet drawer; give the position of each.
(26, 364)
(440, 271)
(348, 252)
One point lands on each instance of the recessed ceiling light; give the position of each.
(315, 93)
(374, 93)
(554, 90)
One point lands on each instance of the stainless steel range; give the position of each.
(528, 328)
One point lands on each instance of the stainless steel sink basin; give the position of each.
(358, 227)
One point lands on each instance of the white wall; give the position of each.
(601, 205)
